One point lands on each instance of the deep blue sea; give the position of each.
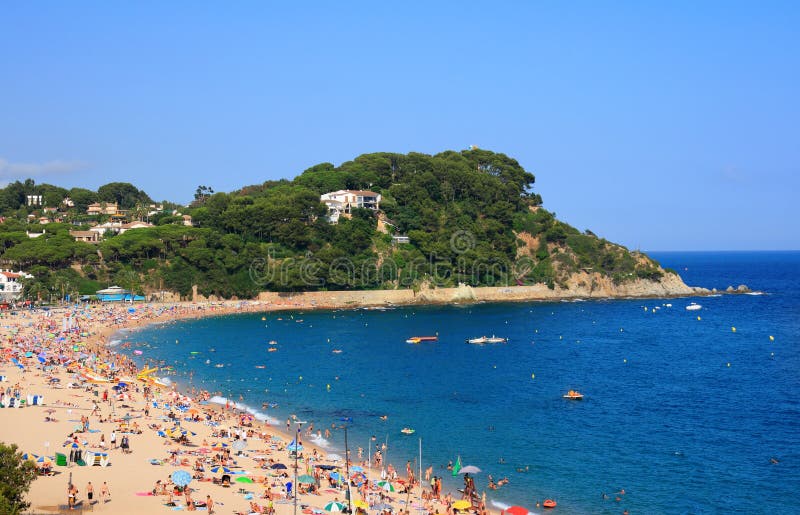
(681, 411)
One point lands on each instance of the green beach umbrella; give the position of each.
(305, 479)
(334, 507)
(386, 485)
(243, 479)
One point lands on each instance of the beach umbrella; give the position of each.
(336, 476)
(239, 445)
(243, 479)
(181, 478)
(356, 468)
(278, 466)
(383, 506)
(469, 469)
(334, 507)
(305, 479)
(462, 505)
(224, 469)
(358, 503)
(516, 510)
(326, 467)
(386, 485)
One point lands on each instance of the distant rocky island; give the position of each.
(462, 225)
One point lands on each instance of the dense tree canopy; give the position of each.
(471, 217)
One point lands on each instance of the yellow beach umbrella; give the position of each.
(358, 503)
(463, 504)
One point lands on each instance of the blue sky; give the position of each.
(659, 125)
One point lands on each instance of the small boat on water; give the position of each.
(487, 339)
(693, 307)
(418, 339)
(407, 431)
(549, 503)
(573, 395)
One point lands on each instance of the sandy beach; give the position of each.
(58, 363)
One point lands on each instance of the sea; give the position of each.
(686, 411)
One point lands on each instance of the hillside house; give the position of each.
(134, 225)
(102, 229)
(342, 202)
(10, 287)
(86, 236)
(100, 208)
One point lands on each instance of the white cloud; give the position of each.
(9, 170)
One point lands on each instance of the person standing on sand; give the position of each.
(113, 439)
(89, 492)
(209, 504)
(105, 494)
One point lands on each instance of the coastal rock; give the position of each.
(742, 288)
(729, 289)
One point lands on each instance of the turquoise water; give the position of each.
(664, 416)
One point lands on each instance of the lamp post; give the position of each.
(296, 445)
(347, 470)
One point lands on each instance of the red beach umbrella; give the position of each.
(516, 510)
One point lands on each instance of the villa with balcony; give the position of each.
(342, 202)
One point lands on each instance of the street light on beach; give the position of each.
(296, 445)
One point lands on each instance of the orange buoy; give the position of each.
(549, 503)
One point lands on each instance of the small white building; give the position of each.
(102, 229)
(134, 225)
(10, 287)
(342, 202)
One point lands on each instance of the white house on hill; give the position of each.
(10, 288)
(344, 201)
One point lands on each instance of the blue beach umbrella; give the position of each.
(224, 469)
(181, 478)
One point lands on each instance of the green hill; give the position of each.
(470, 217)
